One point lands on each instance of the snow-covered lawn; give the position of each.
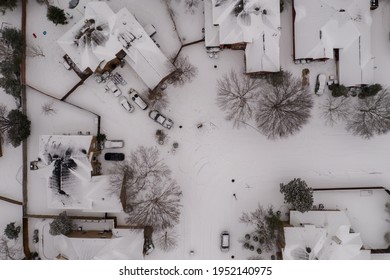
(65, 119)
(210, 157)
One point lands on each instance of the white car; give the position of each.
(137, 99)
(113, 88)
(110, 144)
(125, 104)
(158, 118)
(320, 84)
(225, 241)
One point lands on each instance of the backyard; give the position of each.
(223, 171)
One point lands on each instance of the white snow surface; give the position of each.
(109, 33)
(324, 25)
(208, 158)
(257, 25)
(11, 161)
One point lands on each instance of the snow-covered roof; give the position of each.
(127, 247)
(68, 174)
(211, 30)
(322, 235)
(324, 25)
(102, 34)
(256, 23)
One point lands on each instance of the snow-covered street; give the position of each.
(223, 171)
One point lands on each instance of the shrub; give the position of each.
(56, 15)
(11, 231)
(61, 225)
(298, 194)
(370, 90)
(339, 90)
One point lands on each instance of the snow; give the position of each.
(324, 25)
(66, 119)
(119, 32)
(210, 157)
(11, 161)
(189, 21)
(365, 209)
(211, 30)
(125, 244)
(258, 25)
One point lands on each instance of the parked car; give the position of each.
(110, 86)
(114, 156)
(374, 4)
(225, 241)
(109, 144)
(66, 65)
(125, 104)
(137, 99)
(320, 84)
(158, 118)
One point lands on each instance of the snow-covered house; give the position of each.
(95, 239)
(336, 29)
(252, 25)
(322, 235)
(103, 38)
(68, 173)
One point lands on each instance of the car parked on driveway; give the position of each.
(110, 144)
(225, 241)
(159, 118)
(114, 156)
(126, 104)
(110, 86)
(320, 84)
(137, 99)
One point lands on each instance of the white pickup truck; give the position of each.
(110, 144)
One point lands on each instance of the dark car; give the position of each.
(114, 156)
(374, 4)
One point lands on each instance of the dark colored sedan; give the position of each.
(114, 156)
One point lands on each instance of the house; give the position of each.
(252, 25)
(102, 39)
(339, 30)
(322, 235)
(67, 161)
(94, 239)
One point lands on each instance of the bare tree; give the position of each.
(142, 170)
(34, 51)
(158, 207)
(182, 71)
(147, 190)
(371, 116)
(3, 110)
(9, 250)
(283, 107)
(158, 99)
(267, 226)
(167, 240)
(48, 109)
(335, 109)
(191, 6)
(237, 96)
